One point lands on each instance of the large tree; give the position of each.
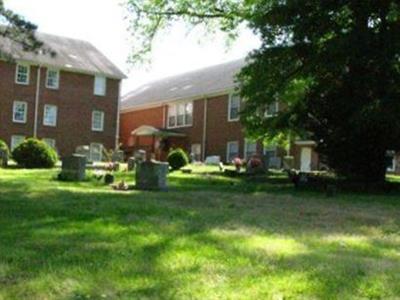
(17, 29)
(334, 65)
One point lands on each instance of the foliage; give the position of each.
(178, 158)
(4, 147)
(17, 29)
(33, 154)
(333, 65)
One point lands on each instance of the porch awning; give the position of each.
(152, 131)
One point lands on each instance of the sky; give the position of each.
(102, 23)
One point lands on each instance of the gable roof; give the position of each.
(70, 54)
(203, 82)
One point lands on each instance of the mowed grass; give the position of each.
(209, 237)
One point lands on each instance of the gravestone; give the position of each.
(213, 160)
(151, 175)
(117, 156)
(3, 158)
(131, 163)
(140, 156)
(73, 168)
(83, 150)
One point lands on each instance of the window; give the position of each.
(53, 79)
(97, 120)
(96, 152)
(100, 85)
(272, 109)
(232, 151)
(180, 115)
(195, 152)
(50, 115)
(16, 140)
(270, 151)
(20, 109)
(250, 149)
(50, 142)
(22, 74)
(234, 107)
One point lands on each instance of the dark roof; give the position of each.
(70, 54)
(203, 82)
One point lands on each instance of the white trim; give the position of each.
(268, 115)
(91, 151)
(178, 99)
(227, 149)
(176, 106)
(44, 115)
(102, 121)
(230, 119)
(58, 78)
(27, 75)
(25, 111)
(103, 92)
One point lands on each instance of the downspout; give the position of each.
(204, 142)
(35, 120)
(118, 117)
(164, 108)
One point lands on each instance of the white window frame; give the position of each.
(44, 115)
(246, 145)
(55, 87)
(175, 110)
(50, 142)
(27, 74)
(269, 115)
(228, 148)
(101, 151)
(25, 112)
(96, 90)
(102, 120)
(230, 119)
(13, 143)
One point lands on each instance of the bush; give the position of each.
(177, 159)
(4, 147)
(33, 153)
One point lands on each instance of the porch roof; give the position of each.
(146, 130)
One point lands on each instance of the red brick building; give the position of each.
(68, 97)
(198, 111)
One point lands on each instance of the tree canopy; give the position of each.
(17, 29)
(332, 65)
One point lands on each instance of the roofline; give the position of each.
(72, 70)
(226, 91)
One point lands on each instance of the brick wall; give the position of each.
(74, 100)
(220, 131)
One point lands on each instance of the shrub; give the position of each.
(4, 147)
(177, 159)
(33, 153)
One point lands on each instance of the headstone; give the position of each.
(140, 156)
(288, 162)
(83, 150)
(3, 158)
(73, 168)
(131, 163)
(117, 156)
(213, 160)
(151, 175)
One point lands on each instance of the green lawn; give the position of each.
(209, 237)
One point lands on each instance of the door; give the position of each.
(305, 159)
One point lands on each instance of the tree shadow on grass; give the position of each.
(65, 241)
